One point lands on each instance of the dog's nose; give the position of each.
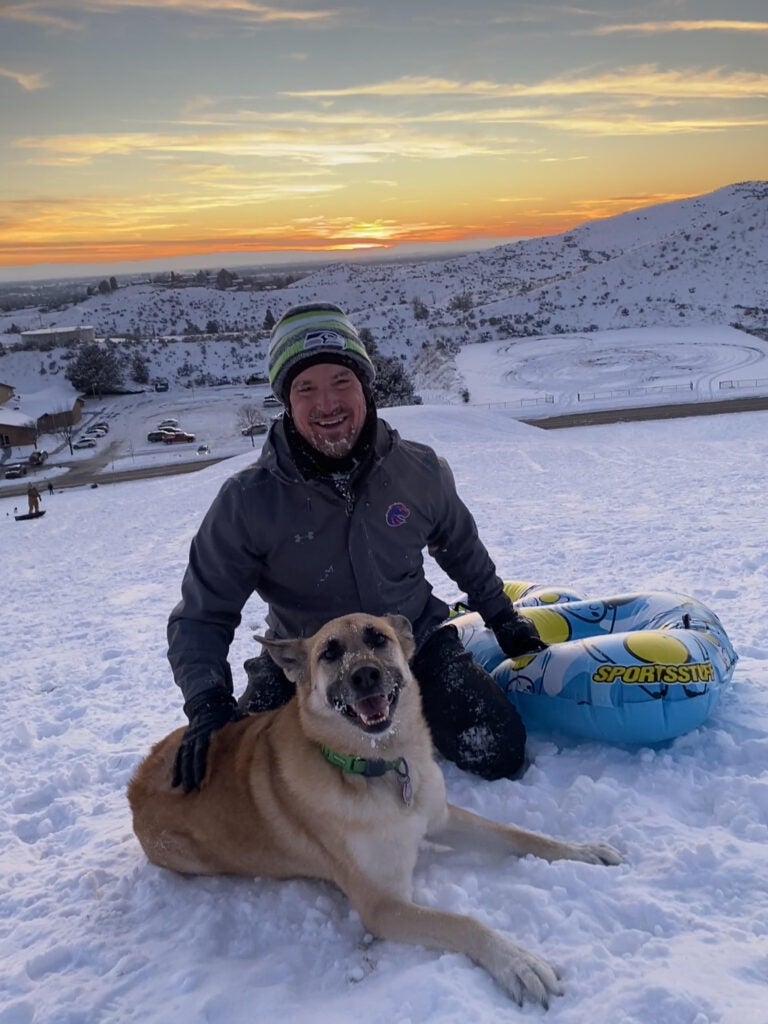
(366, 679)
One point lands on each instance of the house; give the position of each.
(16, 428)
(24, 418)
(55, 336)
(6, 392)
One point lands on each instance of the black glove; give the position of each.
(516, 635)
(207, 712)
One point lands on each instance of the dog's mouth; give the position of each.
(373, 713)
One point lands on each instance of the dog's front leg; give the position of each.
(463, 830)
(521, 974)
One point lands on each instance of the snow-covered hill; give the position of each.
(698, 261)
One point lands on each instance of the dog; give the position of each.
(341, 784)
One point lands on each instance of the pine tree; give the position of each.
(139, 368)
(392, 385)
(95, 370)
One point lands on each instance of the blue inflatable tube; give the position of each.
(631, 669)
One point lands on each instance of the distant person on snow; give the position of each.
(33, 500)
(334, 518)
(50, 487)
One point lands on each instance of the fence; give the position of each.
(656, 389)
(521, 403)
(732, 385)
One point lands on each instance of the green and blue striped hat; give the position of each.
(316, 332)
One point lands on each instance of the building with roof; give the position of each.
(24, 417)
(55, 336)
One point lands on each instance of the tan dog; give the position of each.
(341, 784)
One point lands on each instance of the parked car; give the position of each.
(101, 425)
(203, 449)
(14, 472)
(85, 442)
(255, 428)
(173, 424)
(180, 435)
(271, 400)
(37, 458)
(94, 432)
(159, 435)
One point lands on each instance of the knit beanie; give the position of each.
(316, 332)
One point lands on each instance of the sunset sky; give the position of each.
(137, 130)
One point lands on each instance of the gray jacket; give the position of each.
(312, 556)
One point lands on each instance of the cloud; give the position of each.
(644, 79)
(659, 27)
(335, 147)
(35, 13)
(39, 11)
(84, 228)
(28, 82)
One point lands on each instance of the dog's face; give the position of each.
(354, 667)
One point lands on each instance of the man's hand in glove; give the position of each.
(516, 634)
(207, 712)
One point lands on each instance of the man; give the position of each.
(334, 518)
(33, 500)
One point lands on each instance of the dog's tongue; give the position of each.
(372, 709)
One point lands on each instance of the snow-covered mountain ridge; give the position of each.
(696, 261)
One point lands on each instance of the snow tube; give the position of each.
(632, 669)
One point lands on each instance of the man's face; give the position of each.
(328, 408)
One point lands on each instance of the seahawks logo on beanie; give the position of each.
(303, 334)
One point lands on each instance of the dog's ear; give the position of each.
(289, 655)
(404, 633)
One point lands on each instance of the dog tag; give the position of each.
(406, 789)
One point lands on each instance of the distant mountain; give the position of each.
(697, 261)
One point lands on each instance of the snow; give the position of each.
(676, 935)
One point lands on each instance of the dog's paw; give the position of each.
(527, 978)
(596, 853)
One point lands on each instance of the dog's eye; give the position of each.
(332, 651)
(373, 638)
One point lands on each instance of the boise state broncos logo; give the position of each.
(397, 513)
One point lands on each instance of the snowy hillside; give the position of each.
(698, 261)
(93, 934)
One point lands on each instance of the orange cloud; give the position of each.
(645, 79)
(658, 27)
(34, 11)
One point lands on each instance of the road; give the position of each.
(650, 412)
(92, 471)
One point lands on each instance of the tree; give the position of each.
(139, 368)
(461, 303)
(392, 385)
(224, 279)
(249, 419)
(63, 427)
(420, 310)
(104, 288)
(95, 370)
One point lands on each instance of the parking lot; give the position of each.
(211, 417)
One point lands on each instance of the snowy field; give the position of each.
(93, 934)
